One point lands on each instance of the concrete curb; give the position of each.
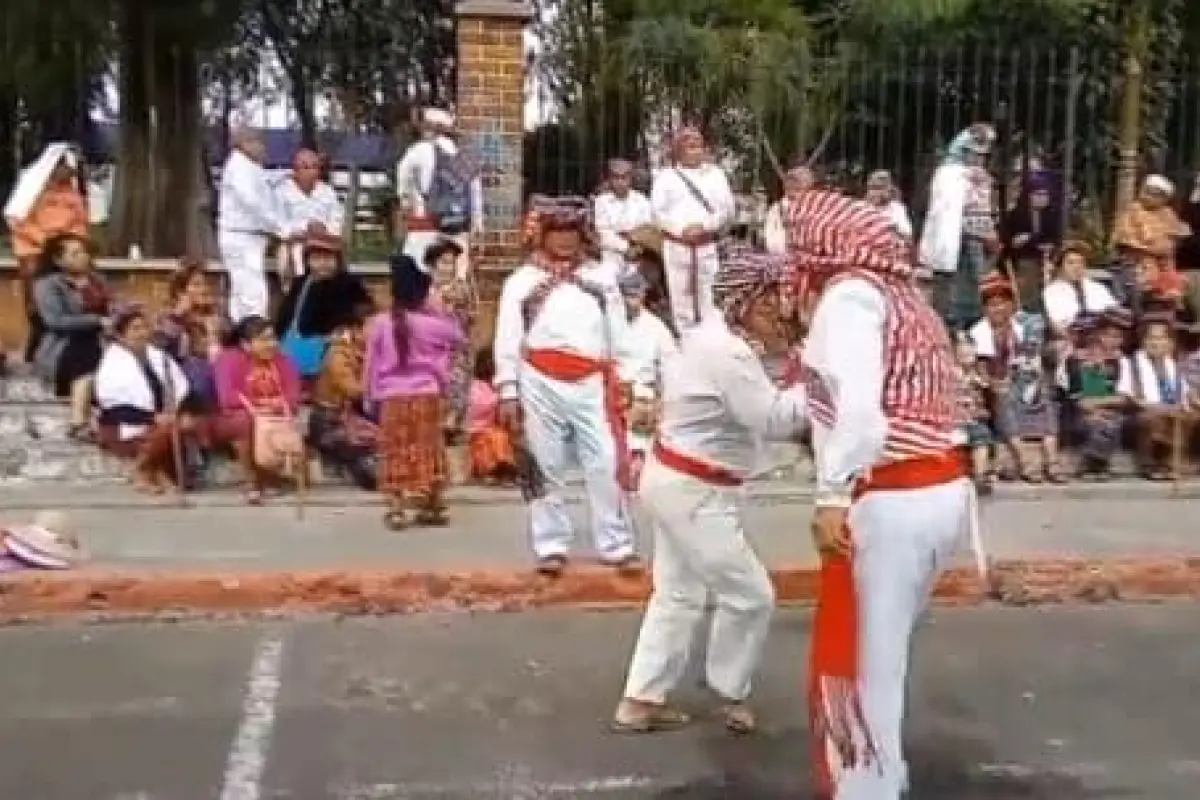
(118, 497)
(105, 596)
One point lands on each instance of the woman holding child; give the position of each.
(338, 426)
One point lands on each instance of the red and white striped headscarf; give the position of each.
(745, 275)
(829, 233)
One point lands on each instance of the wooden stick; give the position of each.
(301, 477)
(1177, 453)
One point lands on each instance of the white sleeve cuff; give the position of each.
(833, 498)
(508, 390)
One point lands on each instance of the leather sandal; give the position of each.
(739, 719)
(651, 719)
(551, 566)
(395, 520)
(432, 517)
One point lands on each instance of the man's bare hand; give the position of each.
(830, 531)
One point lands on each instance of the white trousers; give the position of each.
(700, 551)
(677, 261)
(901, 540)
(244, 256)
(566, 423)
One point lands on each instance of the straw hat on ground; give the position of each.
(50, 542)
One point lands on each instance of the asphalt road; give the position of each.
(1054, 703)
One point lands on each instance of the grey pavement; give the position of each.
(1007, 704)
(351, 536)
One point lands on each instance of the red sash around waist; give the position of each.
(421, 223)
(563, 365)
(835, 711)
(571, 367)
(703, 471)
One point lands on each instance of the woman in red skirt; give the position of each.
(409, 354)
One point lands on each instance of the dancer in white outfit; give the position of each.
(694, 206)
(560, 333)
(893, 496)
(718, 404)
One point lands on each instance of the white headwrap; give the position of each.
(34, 178)
(438, 118)
(1158, 183)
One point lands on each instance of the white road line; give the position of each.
(247, 759)
(592, 787)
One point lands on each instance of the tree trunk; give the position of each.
(305, 113)
(1137, 47)
(157, 197)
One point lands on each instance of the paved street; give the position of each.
(1060, 704)
(483, 536)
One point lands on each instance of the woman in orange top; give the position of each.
(48, 201)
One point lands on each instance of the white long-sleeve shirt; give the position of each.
(569, 319)
(845, 347)
(676, 207)
(414, 177)
(718, 403)
(775, 228)
(1062, 301)
(649, 344)
(299, 208)
(619, 215)
(247, 202)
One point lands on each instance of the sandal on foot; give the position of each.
(1029, 476)
(395, 520)
(254, 497)
(629, 565)
(1056, 476)
(432, 517)
(739, 719)
(551, 566)
(657, 719)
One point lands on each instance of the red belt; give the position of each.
(922, 472)
(421, 223)
(564, 365)
(693, 276)
(835, 711)
(703, 471)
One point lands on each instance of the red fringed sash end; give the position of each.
(836, 719)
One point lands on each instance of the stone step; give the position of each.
(22, 387)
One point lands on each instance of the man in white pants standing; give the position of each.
(893, 494)
(247, 220)
(694, 206)
(560, 332)
(718, 404)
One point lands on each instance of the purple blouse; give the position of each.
(433, 338)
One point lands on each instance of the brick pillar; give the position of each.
(491, 116)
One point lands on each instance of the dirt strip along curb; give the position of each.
(95, 592)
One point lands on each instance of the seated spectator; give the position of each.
(326, 298)
(1147, 235)
(143, 397)
(883, 193)
(492, 459)
(191, 307)
(452, 292)
(73, 302)
(409, 352)
(1152, 383)
(973, 413)
(338, 427)
(255, 383)
(1034, 232)
(1072, 293)
(995, 338)
(1098, 409)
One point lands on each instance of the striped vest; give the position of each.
(920, 378)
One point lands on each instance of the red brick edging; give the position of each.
(97, 592)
